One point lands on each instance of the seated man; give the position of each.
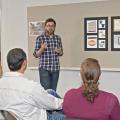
(25, 98)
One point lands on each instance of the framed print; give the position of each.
(101, 23)
(92, 26)
(115, 33)
(36, 28)
(92, 41)
(116, 23)
(101, 43)
(116, 41)
(96, 34)
(101, 33)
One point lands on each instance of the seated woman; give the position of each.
(88, 102)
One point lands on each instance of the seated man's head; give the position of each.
(17, 60)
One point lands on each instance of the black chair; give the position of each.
(8, 115)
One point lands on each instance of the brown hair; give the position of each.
(50, 20)
(90, 73)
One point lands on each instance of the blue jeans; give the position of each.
(57, 115)
(48, 79)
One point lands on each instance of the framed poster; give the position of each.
(115, 33)
(36, 28)
(101, 23)
(102, 43)
(92, 26)
(92, 41)
(96, 34)
(101, 33)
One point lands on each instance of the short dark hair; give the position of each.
(50, 20)
(15, 58)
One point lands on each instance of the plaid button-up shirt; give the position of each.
(49, 59)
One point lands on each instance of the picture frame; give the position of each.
(116, 23)
(101, 33)
(36, 28)
(96, 34)
(117, 41)
(92, 26)
(92, 41)
(102, 43)
(115, 33)
(101, 23)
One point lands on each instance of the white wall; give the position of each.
(13, 27)
(0, 25)
(109, 80)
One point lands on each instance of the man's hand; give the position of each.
(43, 46)
(41, 50)
(58, 50)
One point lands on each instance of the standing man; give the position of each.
(48, 48)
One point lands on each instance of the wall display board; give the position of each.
(115, 33)
(36, 28)
(96, 33)
(70, 26)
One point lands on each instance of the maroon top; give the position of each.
(105, 107)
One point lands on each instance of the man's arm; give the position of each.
(44, 100)
(60, 49)
(41, 50)
(39, 47)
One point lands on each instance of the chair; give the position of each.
(72, 119)
(8, 115)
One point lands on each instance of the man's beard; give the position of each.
(50, 32)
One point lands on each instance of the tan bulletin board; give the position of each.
(70, 26)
